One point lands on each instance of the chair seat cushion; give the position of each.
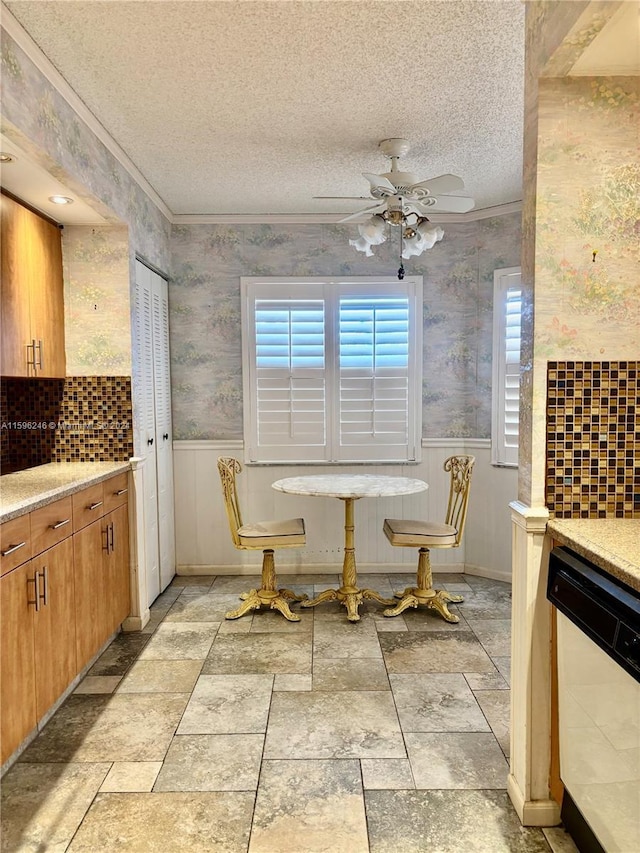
(285, 533)
(420, 534)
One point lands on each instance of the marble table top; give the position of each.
(350, 485)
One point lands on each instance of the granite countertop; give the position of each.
(613, 544)
(27, 490)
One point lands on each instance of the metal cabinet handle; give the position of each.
(45, 586)
(149, 441)
(35, 580)
(105, 547)
(39, 364)
(113, 538)
(95, 505)
(60, 524)
(120, 492)
(13, 548)
(31, 362)
(165, 436)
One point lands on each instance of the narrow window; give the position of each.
(507, 323)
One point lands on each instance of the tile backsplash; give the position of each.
(77, 419)
(593, 439)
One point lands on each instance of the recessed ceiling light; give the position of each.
(6, 158)
(60, 199)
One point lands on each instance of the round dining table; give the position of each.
(349, 488)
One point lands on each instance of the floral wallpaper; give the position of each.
(581, 195)
(97, 315)
(204, 299)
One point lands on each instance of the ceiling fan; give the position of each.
(399, 193)
(403, 200)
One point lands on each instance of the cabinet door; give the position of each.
(14, 305)
(32, 294)
(117, 574)
(54, 625)
(47, 297)
(17, 666)
(89, 546)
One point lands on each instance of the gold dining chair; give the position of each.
(429, 534)
(264, 536)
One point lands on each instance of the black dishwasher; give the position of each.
(598, 654)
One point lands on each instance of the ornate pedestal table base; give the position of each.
(348, 488)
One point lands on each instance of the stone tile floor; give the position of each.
(266, 736)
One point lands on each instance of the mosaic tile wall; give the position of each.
(77, 419)
(593, 439)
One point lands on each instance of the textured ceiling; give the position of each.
(242, 107)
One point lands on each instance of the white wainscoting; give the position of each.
(203, 543)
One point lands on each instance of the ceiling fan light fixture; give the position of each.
(362, 245)
(373, 230)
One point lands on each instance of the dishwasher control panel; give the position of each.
(605, 610)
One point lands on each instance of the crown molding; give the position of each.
(24, 41)
(328, 218)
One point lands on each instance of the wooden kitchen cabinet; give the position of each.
(101, 560)
(116, 566)
(90, 590)
(32, 304)
(54, 629)
(17, 661)
(64, 590)
(38, 656)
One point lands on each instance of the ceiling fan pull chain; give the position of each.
(401, 267)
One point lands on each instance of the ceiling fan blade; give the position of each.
(451, 204)
(350, 197)
(371, 210)
(379, 182)
(441, 184)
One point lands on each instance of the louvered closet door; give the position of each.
(147, 430)
(164, 451)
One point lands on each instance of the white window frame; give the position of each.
(330, 289)
(504, 443)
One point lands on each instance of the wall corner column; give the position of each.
(528, 782)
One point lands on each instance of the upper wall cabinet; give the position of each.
(32, 304)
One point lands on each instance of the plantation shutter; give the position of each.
(374, 375)
(331, 369)
(290, 387)
(506, 371)
(512, 371)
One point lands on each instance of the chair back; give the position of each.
(228, 467)
(460, 468)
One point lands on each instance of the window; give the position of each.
(332, 369)
(507, 321)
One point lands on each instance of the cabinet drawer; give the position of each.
(15, 542)
(116, 491)
(51, 524)
(88, 505)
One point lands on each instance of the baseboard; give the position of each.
(532, 812)
(136, 623)
(335, 568)
(483, 572)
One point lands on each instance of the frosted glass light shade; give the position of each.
(373, 230)
(362, 246)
